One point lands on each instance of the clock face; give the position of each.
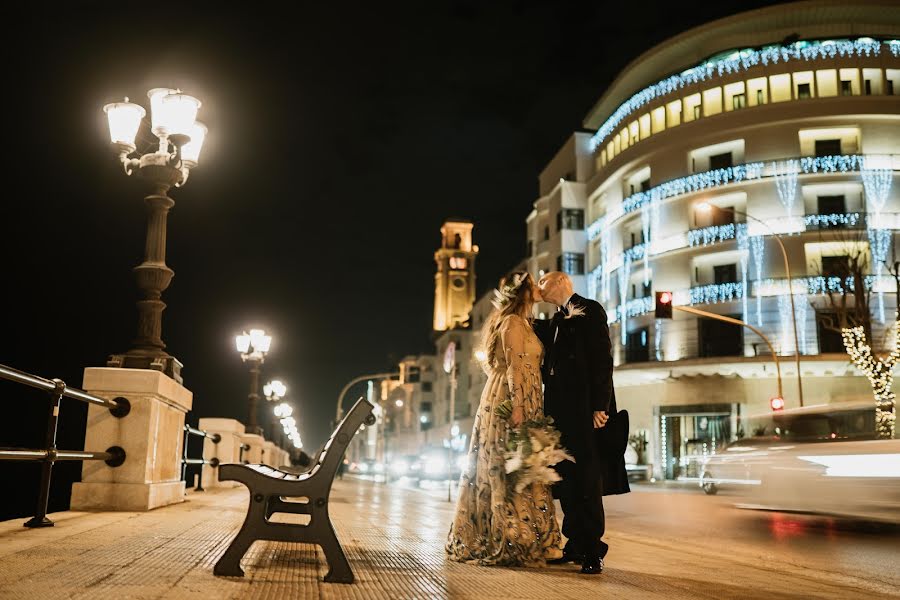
(458, 282)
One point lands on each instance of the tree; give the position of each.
(848, 291)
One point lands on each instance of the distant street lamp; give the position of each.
(253, 347)
(274, 391)
(173, 121)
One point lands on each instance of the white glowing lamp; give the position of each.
(242, 342)
(704, 206)
(284, 410)
(275, 389)
(480, 355)
(190, 152)
(157, 112)
(289, 422)
(179, 113)
(124, 120)
(399, 403)
(259, 340)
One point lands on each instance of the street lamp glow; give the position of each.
(480, 355)
(284, 410)
(274, 390)
(399, 403)
(179, 113)
(157, 113)
(190, 152)
(124, 121)
(704, 207)
(253, 345)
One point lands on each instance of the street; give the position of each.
(665, 544)
(673, 516)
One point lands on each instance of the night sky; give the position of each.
(341, 136)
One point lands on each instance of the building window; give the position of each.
(722, 215)
(803, 91)
(868, 86)
(546, 233)
(836, 266)
(720, 161)
(846, 87)
(572, 263)
(725, 274)
(828, 147)
(760, 97)
(637, 238)
(570, 218)
(458, 262)
(831, 205)
(697, 110)
(890, 87)
(718, 338)
(426, 387)
(637, 347)
(529, 249)
(738, 101)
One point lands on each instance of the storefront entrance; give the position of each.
(689, 433)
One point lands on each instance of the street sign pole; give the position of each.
(450, 367)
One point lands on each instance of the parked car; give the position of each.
(819, 459)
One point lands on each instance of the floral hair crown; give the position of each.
(506, 293)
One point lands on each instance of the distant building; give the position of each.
(789, 114)
(454, 281)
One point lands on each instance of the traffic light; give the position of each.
(663, 305)
(777, 403)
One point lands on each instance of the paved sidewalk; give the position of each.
(394, 541)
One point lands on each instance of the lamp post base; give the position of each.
(168, 365)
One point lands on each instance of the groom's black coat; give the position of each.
(577, 374)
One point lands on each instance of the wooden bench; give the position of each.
(308, 491)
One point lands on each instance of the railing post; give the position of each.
(184, 453)
(40, 516)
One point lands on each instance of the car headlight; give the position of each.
(399, 467)
(363, 468)
(462, 463)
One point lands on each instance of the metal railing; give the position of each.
(113, 456)
(185, 461)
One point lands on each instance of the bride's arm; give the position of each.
(513, 334)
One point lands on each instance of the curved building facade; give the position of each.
(780, 122)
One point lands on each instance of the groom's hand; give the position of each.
(600, 419)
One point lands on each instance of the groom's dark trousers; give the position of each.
(577, 373)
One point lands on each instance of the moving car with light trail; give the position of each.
(821, 459)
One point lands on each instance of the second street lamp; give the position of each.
(173, 121)
(253, 347)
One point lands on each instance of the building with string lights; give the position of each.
(775, 125)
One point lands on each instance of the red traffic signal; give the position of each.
(663, 305)
(777, 403)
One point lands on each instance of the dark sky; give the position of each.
(341, 136)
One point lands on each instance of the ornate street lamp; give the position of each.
(284, 411)
(253, 347)
(173, 121)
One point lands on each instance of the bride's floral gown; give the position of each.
(491, 526)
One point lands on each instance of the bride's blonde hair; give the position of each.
(514, 296)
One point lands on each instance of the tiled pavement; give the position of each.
(394, 541)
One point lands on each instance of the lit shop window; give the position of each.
(803, 85)
(712, 101)
(826, 83)
(692, 108)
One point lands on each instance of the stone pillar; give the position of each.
(228, 450)
(256, 442)
(151, 435)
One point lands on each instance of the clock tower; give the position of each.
(454, 282)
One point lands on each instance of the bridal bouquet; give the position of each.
(531, 450)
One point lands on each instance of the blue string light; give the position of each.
(729, 175)
(833, 220)
(716, 292)
(714, 234)
(740, 60)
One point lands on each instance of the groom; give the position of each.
(578, 394)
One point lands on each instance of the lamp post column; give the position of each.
(253, 396)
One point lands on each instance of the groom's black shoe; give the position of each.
(592, 565)
(567, 557)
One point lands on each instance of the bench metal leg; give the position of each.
(230, 563)
(338, 568)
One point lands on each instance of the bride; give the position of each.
(493, 525)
